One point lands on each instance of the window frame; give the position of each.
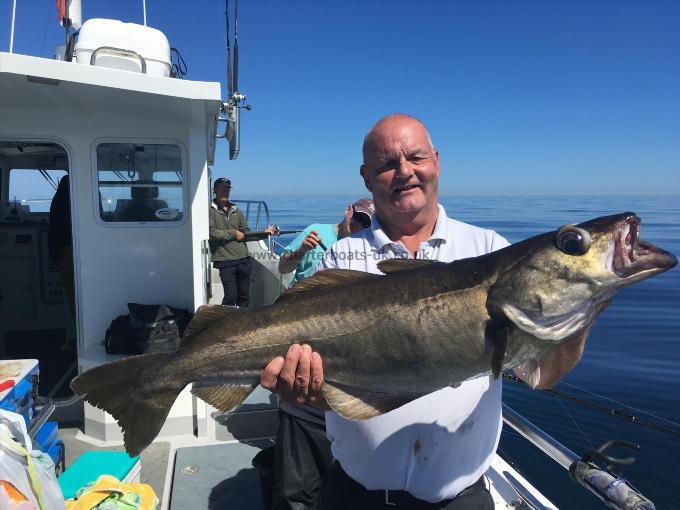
(140, 224)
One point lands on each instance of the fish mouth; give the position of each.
(633, 255)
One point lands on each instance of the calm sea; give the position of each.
(632, 359)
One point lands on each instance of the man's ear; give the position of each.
(366, 174)
(436, 160)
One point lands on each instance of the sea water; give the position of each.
(631, 361)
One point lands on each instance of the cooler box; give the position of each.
(91, 465)
(19, 398)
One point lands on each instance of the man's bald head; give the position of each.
(385, 122)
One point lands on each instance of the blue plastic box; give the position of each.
(46, 436)
(19, 398)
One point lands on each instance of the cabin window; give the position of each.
(140, 182)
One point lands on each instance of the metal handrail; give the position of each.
(261, 209)
(206, 268)
(274, 244)
(261, 204)
(119, 50)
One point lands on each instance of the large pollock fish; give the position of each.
(387, 340)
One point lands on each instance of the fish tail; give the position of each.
(116, 388)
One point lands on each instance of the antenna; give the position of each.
(236, 47)
(230, 82)
(231, 107)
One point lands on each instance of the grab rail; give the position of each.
(119, 50)
(262, 209)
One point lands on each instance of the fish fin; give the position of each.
(224, 397)
(356, 404)
(397, 265)
(497, 330)
(117, 389)
(326, 278)
(207, 316)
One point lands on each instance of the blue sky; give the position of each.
(533, 97)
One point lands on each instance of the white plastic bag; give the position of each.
(30, 471)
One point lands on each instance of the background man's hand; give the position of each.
(297, 377)
(310, 242)
(240, 236)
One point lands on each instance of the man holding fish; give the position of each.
(412, 359)
(432, 452)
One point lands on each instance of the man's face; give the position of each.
(401, 168)
(222, 194)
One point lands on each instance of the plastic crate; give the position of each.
(47, 434)
(19, 398)
(57, 452)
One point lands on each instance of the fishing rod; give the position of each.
(257, 235)
(231, 108)
(610, 488)
(607, 410)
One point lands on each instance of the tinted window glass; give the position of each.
(140, 182)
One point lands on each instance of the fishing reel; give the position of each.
(606, 484)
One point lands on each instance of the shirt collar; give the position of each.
(214, 205)
(380, 238)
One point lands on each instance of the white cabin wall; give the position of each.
(116, 264)
(199, 195)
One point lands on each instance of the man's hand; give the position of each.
(310, 242)
(297, 377)
(240, 236)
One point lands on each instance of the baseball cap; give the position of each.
(222, 183)
(364, 207)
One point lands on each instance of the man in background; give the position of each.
(432, 452)
(59, 242)
(228, 249)
(304, 253)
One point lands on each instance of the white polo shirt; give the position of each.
(439, 444)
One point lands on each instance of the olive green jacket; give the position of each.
(223, 227)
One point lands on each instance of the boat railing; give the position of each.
(256, 208)
(258, 218)
(608, 487)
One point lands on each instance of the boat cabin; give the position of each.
(104, 193)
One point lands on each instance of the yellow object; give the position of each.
(105, 486)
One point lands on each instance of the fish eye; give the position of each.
(572, 240)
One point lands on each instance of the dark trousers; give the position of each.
(341, 492)
(301, 459)
(235, 276)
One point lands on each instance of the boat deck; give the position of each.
(218, 472)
